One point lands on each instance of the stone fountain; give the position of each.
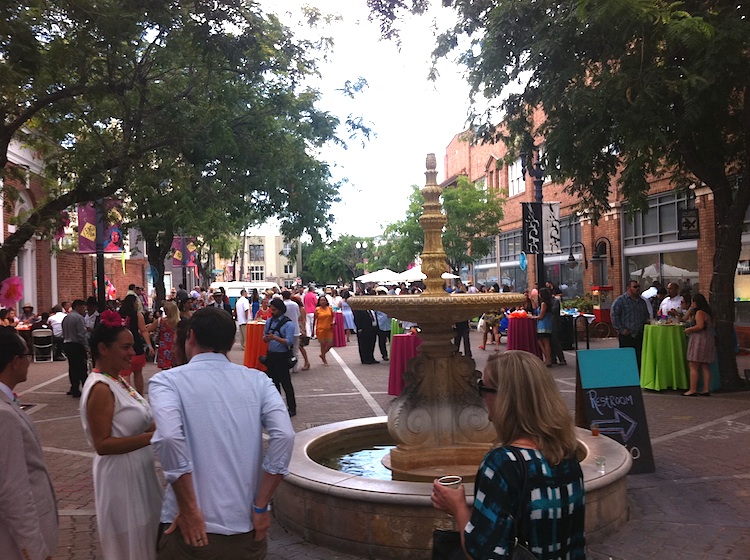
(438, 425)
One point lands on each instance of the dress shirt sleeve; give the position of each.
(275, 420)
(614, 314)
(169, 438)
(17, 509)
(287, 331)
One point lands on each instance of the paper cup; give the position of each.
(452, 481)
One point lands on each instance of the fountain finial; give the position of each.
(434, 260)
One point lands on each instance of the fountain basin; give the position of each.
(394, 519)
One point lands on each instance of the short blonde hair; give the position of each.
(528, 404)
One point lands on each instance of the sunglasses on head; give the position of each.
(482, 388)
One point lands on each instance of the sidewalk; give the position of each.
(696, 504)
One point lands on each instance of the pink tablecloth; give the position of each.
(522, 335)
(339, 330)
(403, 348)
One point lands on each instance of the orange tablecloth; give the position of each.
(522, 335)
(403, 348)
(254, 345)
(339, 330)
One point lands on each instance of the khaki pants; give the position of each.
(243, 331)
(242, 546)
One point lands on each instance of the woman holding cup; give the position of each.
(534, 471)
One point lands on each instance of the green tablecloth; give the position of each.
(663, 360)
(396, 327)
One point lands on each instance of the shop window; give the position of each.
(659, 223)
(257, 273)
(680, 267)
(257, 253)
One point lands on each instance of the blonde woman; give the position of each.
(166, 335)
(539, 448)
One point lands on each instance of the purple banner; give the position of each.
(113, 236)
(190, 248)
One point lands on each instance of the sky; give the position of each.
(410, 115)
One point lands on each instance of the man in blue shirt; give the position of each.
(629, 316)
(210, 416)
(279, 334)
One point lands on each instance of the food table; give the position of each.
(663, 358)
(522, 335)
(403, 348)
(339, 330)
(24, 329)
(254, 345)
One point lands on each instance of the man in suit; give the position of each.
(367, 335)
(28, 512)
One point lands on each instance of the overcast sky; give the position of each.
(410, 115)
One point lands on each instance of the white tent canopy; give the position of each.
(382, 275)
(415, 274)
(667, 271)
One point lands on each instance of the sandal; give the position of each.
(706, 394)
(482, 347)
(689, 394)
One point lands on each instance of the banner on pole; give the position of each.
(113, 238)
(541, 227)
(191, 251)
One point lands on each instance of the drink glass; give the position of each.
(601, 464)
(595, 428)
(451, 481)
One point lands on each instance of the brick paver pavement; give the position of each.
(696, 504)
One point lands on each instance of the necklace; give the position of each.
(124, 384)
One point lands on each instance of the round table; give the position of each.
(339, 330)
(522, 335)
(254, 345)
(396, 327)
(403, 348)
(663, 357)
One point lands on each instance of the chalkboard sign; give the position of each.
(610, 395)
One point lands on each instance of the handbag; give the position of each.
(521, 543)
(446, 545)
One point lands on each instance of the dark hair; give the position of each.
(103, 334)
(255, 296)
(278, 304)
(3, 313)
(129, 307)
(57, 308)
(701, 304)
(286, 294)
(77, 303)
(179, 356)
(12, 345)
(345, 294)
(92, 301)
(546, 296)
(214, 328)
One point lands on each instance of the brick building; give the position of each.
(647, 248)
(52, 276)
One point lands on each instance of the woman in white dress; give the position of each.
(118, 424)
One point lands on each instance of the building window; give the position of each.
(659, 223)
(288, 269)
(257, 253)
(491, 257)
(257, 273)
(510, 245)
(516, 182)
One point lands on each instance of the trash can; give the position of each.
(567, 332)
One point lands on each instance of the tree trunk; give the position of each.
(157, 247)
(729, 216)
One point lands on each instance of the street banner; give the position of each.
(113, 237)
(191, 251)
(541, 227)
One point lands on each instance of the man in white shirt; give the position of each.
(672, 304)
(292, 311)
(210, 416)
(241, 309)
(55, 322)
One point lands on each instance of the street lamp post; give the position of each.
(537, 174)
(572, 260)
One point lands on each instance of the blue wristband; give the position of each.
(256, 509)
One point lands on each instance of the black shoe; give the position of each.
(70, 392)
(292, 413)
(385, 359)
(76, 395)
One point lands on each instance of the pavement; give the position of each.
(695, 506)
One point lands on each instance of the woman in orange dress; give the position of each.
(323, 322)
(264, 312)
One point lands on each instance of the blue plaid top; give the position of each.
(556, 524)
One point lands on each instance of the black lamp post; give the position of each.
(607, 248)
(537, 173)
(572, 260)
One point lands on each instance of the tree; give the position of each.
(472, 216)
(202, 123)
(630, 90)
(340, 258)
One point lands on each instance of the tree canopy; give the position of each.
(196, 115)
(620, 92)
